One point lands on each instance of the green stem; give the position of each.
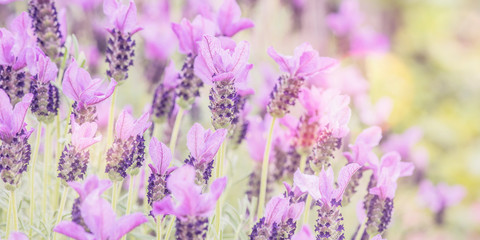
(114, 196)
(60, 210)
(170, 227)
(159, 228)
(57, 158)
(9, 216)
(32, 177)
(306, 211)
(263, 183)
(303, 162)
(131, 186)
(176, 128)
(219, 173)
(46, 157)
(14, 211)
(110, 119)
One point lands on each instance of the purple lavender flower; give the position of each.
(46, 100)
(229, 19)
(361, 153)
(90, 185)
(239, 128)
(72, 165)
(279, 221)
(304, 64)
(157, 182)
(438, 198)
(14, 45)
(14, 146)
(223, 69)
(165, 95)
(188, 35)
(17, 236)
(120, 50)
(85, 91)
(101, 220)
(322, 189)
(193, 208)
(127, 153)
(203, 145)
(47, 27)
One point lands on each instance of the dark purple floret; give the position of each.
(379, 215)
(193, 228)
(203, 171)
(253, 189)
(15, 83)
(45, 101)
(285, 230)
(352, 186)
(84, 113)
(47, 28)
(157, 187)
(72, 165)
(125, 156)
(189, 87)
(223, 100)
(163, 103)
(120, 52)
(284, 95)
(154, 70)
(323, 151)
(330, 221)
(77, 214)
(261, 231)
(14, 159)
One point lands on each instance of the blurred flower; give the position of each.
(190, 33)
(368, 41)
(101, 221)
(304, 234)
(165, 94)
(157, 182)
(403, 143)
(17, 235)
(229, 19)
(347, 19)
(122, 17)
(438, 198)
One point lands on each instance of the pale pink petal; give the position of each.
(281, 60)
(370, 136)
(124, 125)
(308, 183)
(98, 215)
(20, 111)
(73, 230)
(275, 209)
(164, 206)
(160, 154)
(195, 140)
(304, 234)
(126, 224)
(344, 177)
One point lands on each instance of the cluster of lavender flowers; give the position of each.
(42, 69)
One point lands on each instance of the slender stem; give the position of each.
(111, 116)
(306, 212)
(131, 186)
(46, 157)
(176, 127)
(361, 230)
(32, 177)
(14, 211)
(57, 158)
(263, 183)
(60, 210)
(159, 228)
(9, 216)
(303, 162)
(219, 173)
(114, 196)
(170, 227)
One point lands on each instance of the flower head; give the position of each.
(216, 63)
(126, 126)
(229, 19)
(90, 185)
(403, 143)
(79, 86)
(347, 19)
(304, 63)
(189, 33)
(440, 196)
(191, 201)
(329, 108)
(41, 66)
(101, 220)
(361, 151)
(367, 41)
(12, 118)
(122, 17)
(322, 187)
(204, 144)
(83, 135)
(161, 157)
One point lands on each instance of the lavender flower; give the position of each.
(304, 64)
(47, 27)
(101, 220)
(157, 182)
(188, 35)
(193, 207)
(45, 95)
(165, 95)
(279, 221)
(438, 198)
(222, 68)
(14, 146)
(322, 189)
(91, 185)
(85, 91)
(14, 45)
(203, 145)
(120, 49)
(72, 165)
(128, 150)
(229, 19)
